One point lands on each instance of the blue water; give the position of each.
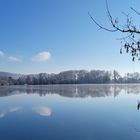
(70, 112)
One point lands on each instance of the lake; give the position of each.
(70, 112)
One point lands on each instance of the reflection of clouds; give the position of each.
(14, 109)
(2, 114)
(10, 110)
(43, 111)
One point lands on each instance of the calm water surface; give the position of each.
(70, 112)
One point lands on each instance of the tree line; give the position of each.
(73, 77)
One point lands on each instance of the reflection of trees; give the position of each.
(72, 90)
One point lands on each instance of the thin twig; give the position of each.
(135, 11)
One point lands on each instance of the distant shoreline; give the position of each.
(70, 77)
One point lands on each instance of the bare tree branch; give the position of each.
(131, 44)
(100, 26)
(135, 11)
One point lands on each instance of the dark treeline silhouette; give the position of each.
(72, 77)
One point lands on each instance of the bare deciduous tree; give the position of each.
(130, 41)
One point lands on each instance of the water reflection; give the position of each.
(14, 109)
(43, 111)
(4, 112)
(55, 117)
(40, 110)
(138, 105)
(72, 90)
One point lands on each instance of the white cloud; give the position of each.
(43, 111)
(1, 54)
(14, 59)
(11, 58)
(42, 56)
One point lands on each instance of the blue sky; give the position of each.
(58, 35)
